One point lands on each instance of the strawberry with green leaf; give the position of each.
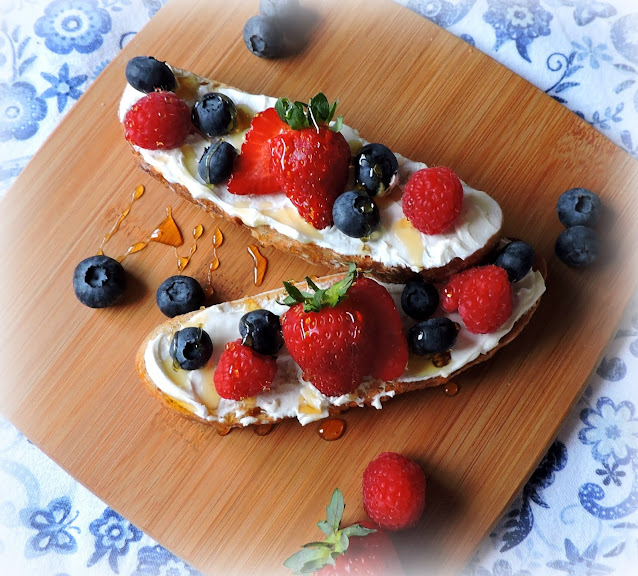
(356, 549)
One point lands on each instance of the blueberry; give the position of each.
(261, 330)
(214, 114)
(356, 214)
(146, 74)
(578, 246)
(264, 37)
(375, 166)
(432, 336)
(419, 299)
(99, 281)
(216, 163)
(179, 295)
(191, 348)
(578, 207)
(281, 9)
(516, 258)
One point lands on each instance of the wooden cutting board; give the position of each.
(242, 503)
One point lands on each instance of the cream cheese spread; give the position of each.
(395, 244)
(290, 395)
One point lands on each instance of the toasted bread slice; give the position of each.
(393, 253)
(193, 395)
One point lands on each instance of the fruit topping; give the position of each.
(325, 336)
(159, 120)
(241, 372)
(578, 207)
(146, 74)
(383, 327)
(216, 163)
(393, 491)
(280, 9)
(432, 336)
(516, 258)
(376, 169)
(251, 172)
(360, 548)
(483, 296)
(310, 162)
(432, 199)
(191, 348)
(261, 330)
(356, 214)
(179, 295)
(214, 114)
(419, 299)
(99, 281)
(264, 37)
(578, 246)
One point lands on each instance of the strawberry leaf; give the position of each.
(321, 298)
(307, 560)
(334, 510)
(357, 530)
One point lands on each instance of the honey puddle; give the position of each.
(332, 429)
(261, 263)
(137, 194)
(166, 233)
(182, 261)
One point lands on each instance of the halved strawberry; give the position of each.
(251, 173)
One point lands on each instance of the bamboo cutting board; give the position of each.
(242, 503)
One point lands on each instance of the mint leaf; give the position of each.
(299, 115)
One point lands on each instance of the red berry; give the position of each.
(432, 199)
(311, 166)
(158, 121)
(393, 491)
(241, 372)
(384, 329)
(251, 171)
(483, 296)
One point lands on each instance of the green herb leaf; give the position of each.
(299, 115)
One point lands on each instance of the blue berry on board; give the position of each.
(179, 295)
(578, 207)
(432, 336)
(216, 163)
(214, 114)
(261, 330)
(419, 299)
(191, 348)
(375, 168)
(517, 259)
(578, 246)
(264, 37)
(146, 74)
(281, 9)
(99, 281)
(356, 214)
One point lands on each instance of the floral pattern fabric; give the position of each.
(578, 513)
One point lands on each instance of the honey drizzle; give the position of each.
(166, 233)
(182, 261)
(218, 239)
(332, 429)
(261, 263)
(137, 194)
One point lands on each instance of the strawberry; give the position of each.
(356, 549)
(241, 372)
(251, 172)
(311, 161)
(391, 348)
(325, 336)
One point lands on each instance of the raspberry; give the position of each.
(159, 120)
(483, 296)
(241, 372)
(432, 199)
(393, 491)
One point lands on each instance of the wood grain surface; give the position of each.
(240, 504)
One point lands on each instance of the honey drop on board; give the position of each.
(223, 430)
(332, 429)
(182, 261)
(263, 429)
(261, 264)
(137, 194)
(451, 389)
(166, 233)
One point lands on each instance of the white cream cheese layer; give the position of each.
(395, 243)
(291, 396)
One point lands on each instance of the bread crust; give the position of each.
(366, 398)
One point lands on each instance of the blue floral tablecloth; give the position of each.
(578, 514)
